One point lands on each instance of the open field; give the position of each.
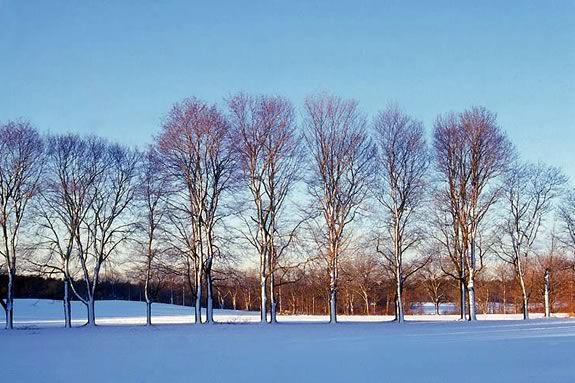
(539, 350)
(48, 313)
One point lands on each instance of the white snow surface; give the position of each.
(299, 349)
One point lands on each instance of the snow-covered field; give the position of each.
(297, 350)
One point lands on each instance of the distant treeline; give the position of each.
(38, 287)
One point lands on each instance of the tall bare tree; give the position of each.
(471, 154)
(530, 190)
(21, 153)
(107, 225)
(445, 233)
(151, 199)
(267, 143)
(342, 168)
(196, 149)
(402, 165)
(73, 171)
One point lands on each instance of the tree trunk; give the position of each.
(525, 306)
(398, 271)
(221, 301)
(313, 305)
(91, 289)
(10, 300)
(91, 310)
(547, 293)
(210, 299)
(462, 294)
(198, 305)
(333, 296)
(279, 300)
(263, 299)
(471, 282)
(471, 296)
(273, 312)
(148, 313)
(399, 300)
(523, 290)
(504, 299)
(263, 286)
(67, 304)
(350, 304)
(147, 297)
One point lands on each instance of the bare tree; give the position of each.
(196, 149)
(364, 275)
(471, 153)
(403, 161)
(552, 265)
(504, 274)
(151, 198)
(445, 233)
(530, 190)
(73, 171)
(267, 144)
(567, 214)
(21, 153)
(410, 266)
(434, 282)
(107, 225)
(342, 167)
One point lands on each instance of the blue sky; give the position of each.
(114, 67)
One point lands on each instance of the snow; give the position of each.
(43, 312)
(539, 350)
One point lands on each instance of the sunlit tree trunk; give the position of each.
(547, 282)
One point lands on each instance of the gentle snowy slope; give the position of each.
(490, 351)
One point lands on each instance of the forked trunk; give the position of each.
(92, 296)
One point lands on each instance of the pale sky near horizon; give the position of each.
(113, 68)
